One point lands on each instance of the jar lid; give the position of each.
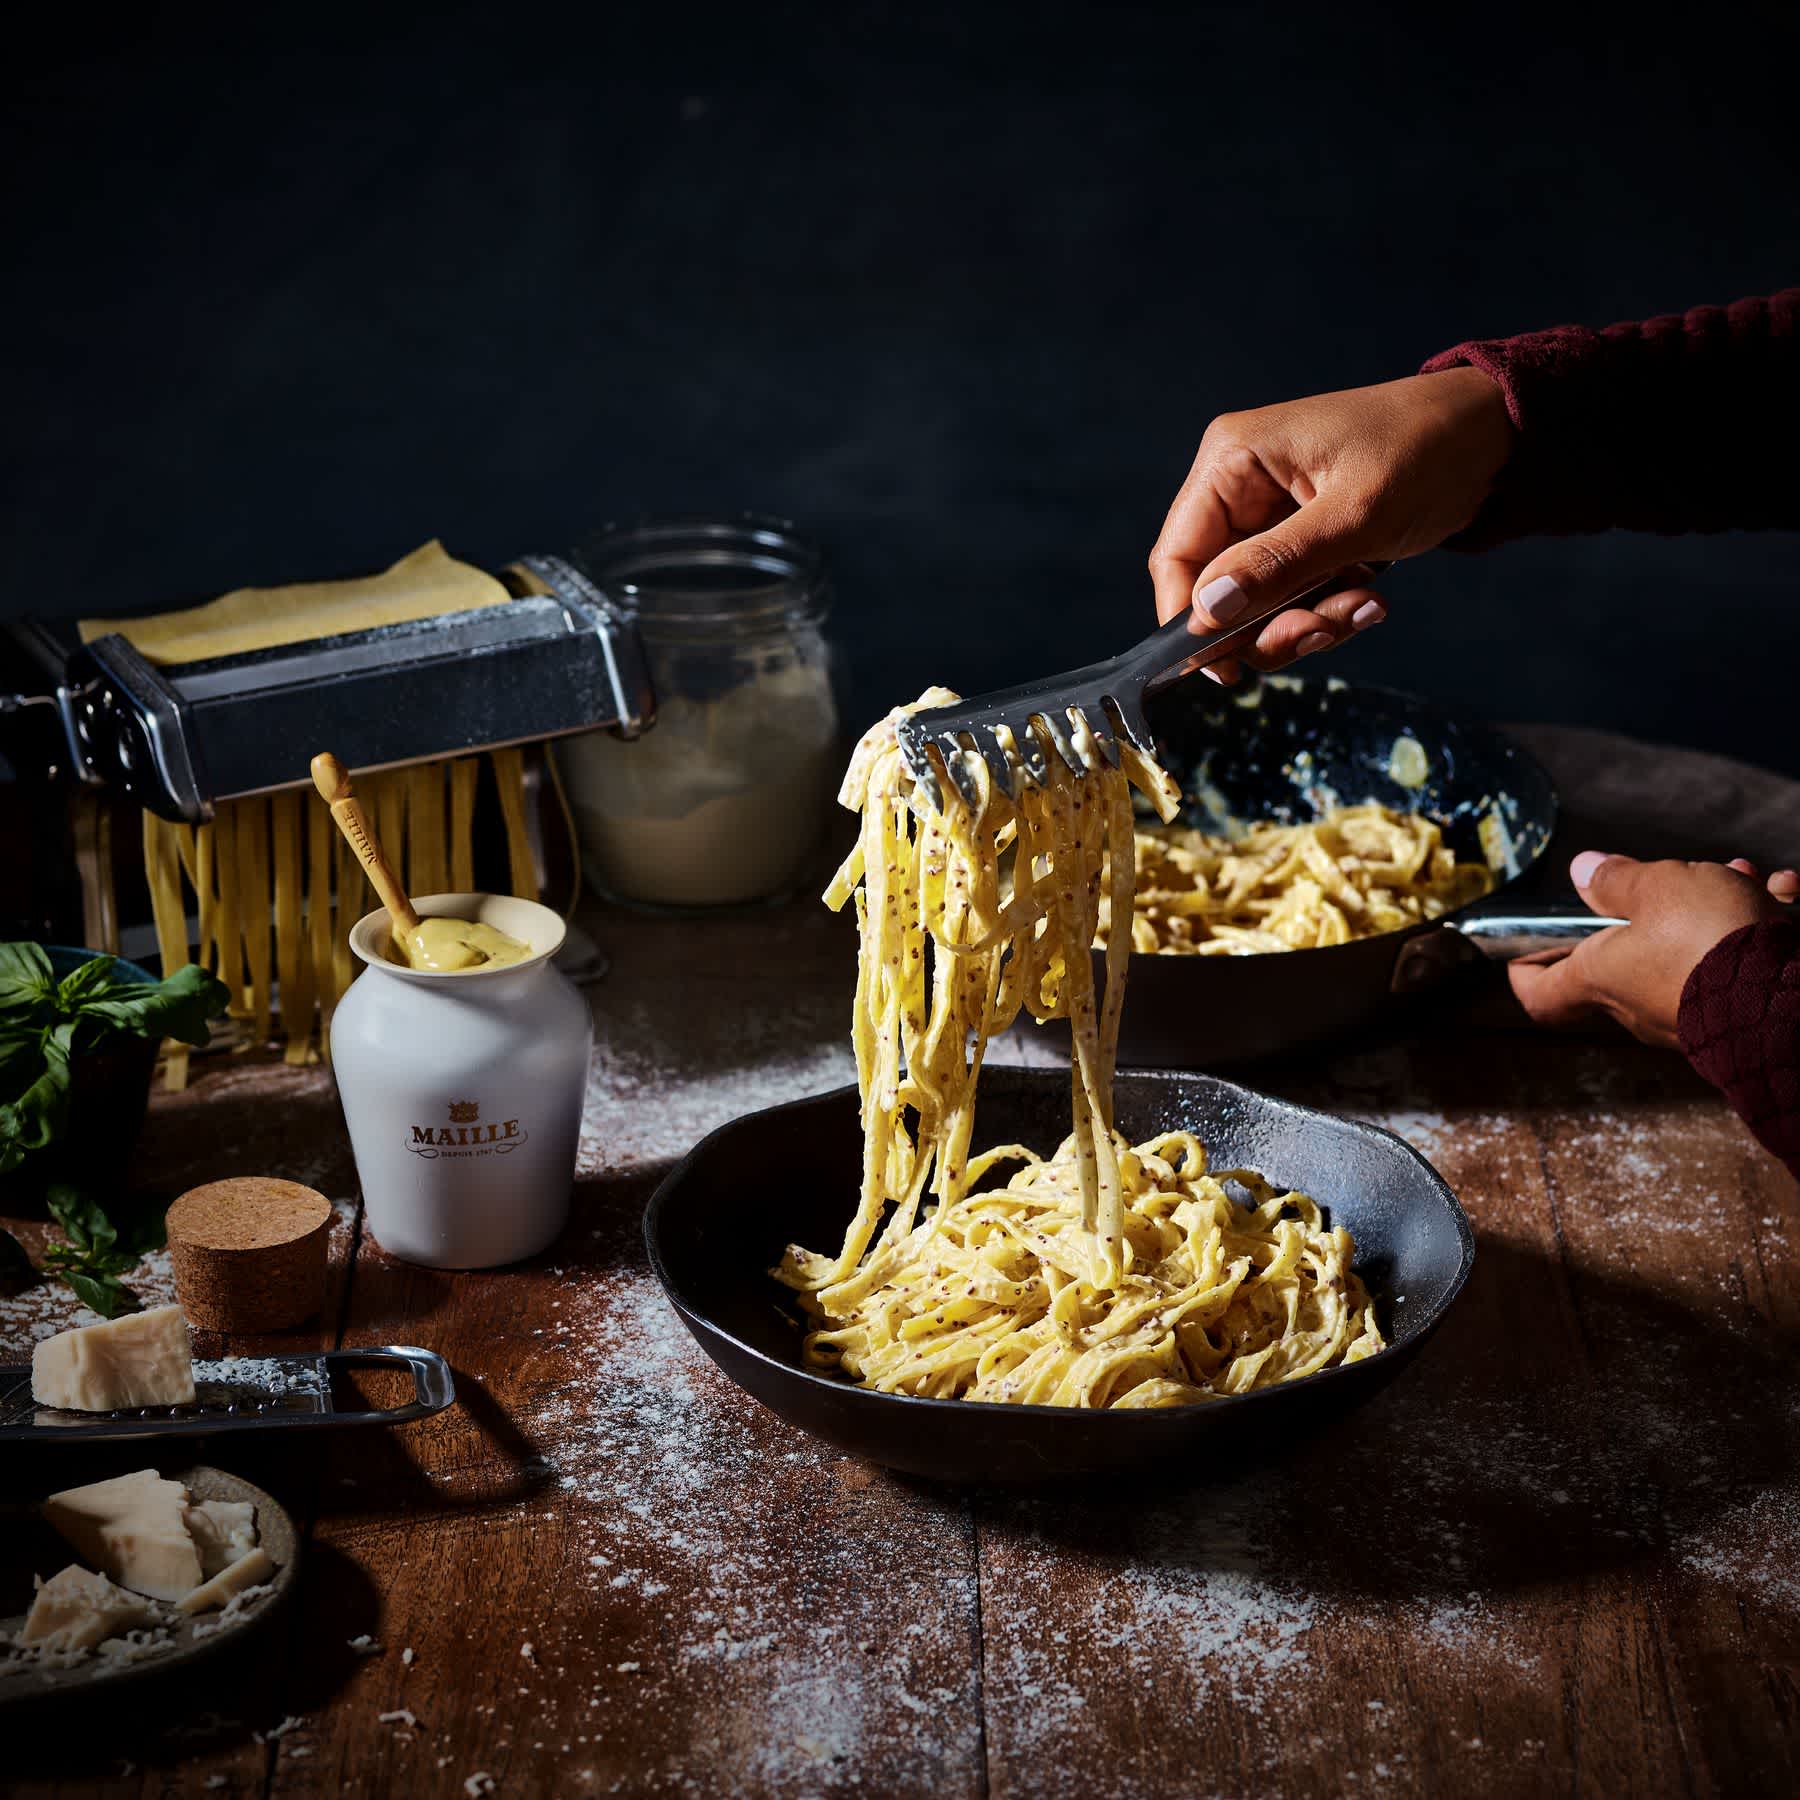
(702, 569)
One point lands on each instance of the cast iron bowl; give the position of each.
(721, 1218)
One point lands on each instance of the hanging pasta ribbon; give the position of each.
(1104, 1275)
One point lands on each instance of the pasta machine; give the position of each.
(558, 659)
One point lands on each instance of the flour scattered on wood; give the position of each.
(681, 1489)
(647, 1104)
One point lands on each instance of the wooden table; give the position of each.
(1559, 1555)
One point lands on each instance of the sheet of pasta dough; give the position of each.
(419, 586)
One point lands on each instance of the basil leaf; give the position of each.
(106, 1294)
(15, 1265)
(178, 1007)
(93, 979)
(26, 980)
(82, 1218)
(31, 1121)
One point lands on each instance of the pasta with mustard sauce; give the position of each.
(1353, 873)
(1105, 1274)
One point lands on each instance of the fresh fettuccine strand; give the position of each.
(509, 778)
(320, 917)
(427, 869)
(464, 773)
(293, 949)
(228, 926)
(162, 867)
(255, 909)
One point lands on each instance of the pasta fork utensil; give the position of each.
(1081, 715)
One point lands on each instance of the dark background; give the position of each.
(957, 292)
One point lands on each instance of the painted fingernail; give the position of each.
(1581, 870)
(1314, 640)
(1221, 600)
(1213, 674)
(1371, 612)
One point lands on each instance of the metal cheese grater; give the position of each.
(273, 1393)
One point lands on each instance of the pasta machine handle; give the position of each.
(634, 697)
(129, 728)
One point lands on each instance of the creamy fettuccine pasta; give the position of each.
(1105, 1275)
(1356, 872)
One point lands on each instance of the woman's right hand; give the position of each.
(1281, 498)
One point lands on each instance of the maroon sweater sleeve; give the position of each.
(1740, 1026)
(1680, 423)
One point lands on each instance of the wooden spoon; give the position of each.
(332, 780)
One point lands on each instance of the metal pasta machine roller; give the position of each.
(558, 658)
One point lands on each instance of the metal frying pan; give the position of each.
(720, 1219)
(1289, 750)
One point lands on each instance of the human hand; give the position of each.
(1281, 498)
(1635, 972)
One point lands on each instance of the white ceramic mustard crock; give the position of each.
(463, 1090)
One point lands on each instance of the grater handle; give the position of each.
(434, 1387)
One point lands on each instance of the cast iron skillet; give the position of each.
(1289, 749)
(721, 1218)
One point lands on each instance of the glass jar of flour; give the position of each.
(723, 800)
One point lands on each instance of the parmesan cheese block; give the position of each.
(142, 1359)
(78, 1609)
(133, 1528)
(250, 1568)
(222, 1530)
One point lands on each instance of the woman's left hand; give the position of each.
(1635, 972)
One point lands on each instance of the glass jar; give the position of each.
(723, 800)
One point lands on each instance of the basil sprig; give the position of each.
(45, 1025)
(98, 1252)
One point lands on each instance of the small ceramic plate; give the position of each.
(34, 1549)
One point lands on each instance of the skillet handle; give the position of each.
(1498, 934)
(1501, 936)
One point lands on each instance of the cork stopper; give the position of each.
(249, 1253)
